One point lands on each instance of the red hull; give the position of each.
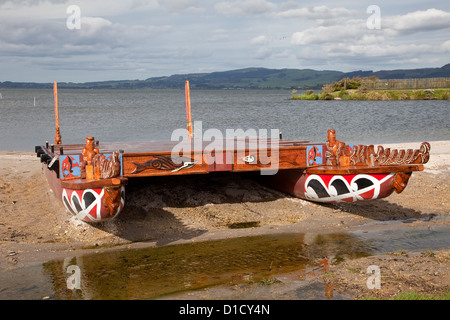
(86, 204)
(331, 188)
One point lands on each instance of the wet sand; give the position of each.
(34, 226)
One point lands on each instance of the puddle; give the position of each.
(244, 225)
(408, 239)
(171, 271)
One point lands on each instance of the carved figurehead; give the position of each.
(89, 151)
(330, 153)
(113, 200)
(336, 153)
(331, 135)
(115, 165)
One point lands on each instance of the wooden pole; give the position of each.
(58, 134)
(188, 110)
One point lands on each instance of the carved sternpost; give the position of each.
(340, 154)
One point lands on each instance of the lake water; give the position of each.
(27, 116)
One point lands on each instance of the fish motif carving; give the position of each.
(164, 163)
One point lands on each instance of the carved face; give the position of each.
(90, 143)
(331, 136)
(113, 199)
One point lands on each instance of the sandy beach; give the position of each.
(35, 227)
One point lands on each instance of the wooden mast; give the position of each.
(188, 110)
(58, 134)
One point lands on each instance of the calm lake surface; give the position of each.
(27, 116)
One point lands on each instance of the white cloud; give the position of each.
(25, 37)
(377, 50)
(418, 21)
(316, 13)
(163, 37)
(325, 34)
(90, 26)
(218, 35)
(259, 40)
(263, 53)
(446, 46)
(178, 5)
(245, 7)
(351, 40)
(354, 32)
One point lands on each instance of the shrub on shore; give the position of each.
(307, 95)
(355, 89)
(426, 94)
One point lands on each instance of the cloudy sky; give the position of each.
(44, 41)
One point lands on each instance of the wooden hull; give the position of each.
(87, 204)
(90, 179)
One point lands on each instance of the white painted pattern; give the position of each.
(87, 213)
(352, 187)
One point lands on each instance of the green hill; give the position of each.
(248, 78)
(443, 72)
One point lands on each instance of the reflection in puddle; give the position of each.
(157, 272)
(177, 270)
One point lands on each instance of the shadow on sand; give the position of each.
(155, 206)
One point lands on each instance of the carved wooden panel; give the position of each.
(283, 158)
(342, 155)
(162, 165)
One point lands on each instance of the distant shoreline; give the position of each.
(378, 95)
(252, 78)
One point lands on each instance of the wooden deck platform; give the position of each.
(159, 158)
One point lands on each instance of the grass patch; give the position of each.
(399, 252)
(429, 254)
(269, 282)
(357, 94)
(307, 95)
(411, 295)
(329, 274)
(353, 270)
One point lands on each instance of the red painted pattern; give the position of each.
(88, 205)
(347, 188)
